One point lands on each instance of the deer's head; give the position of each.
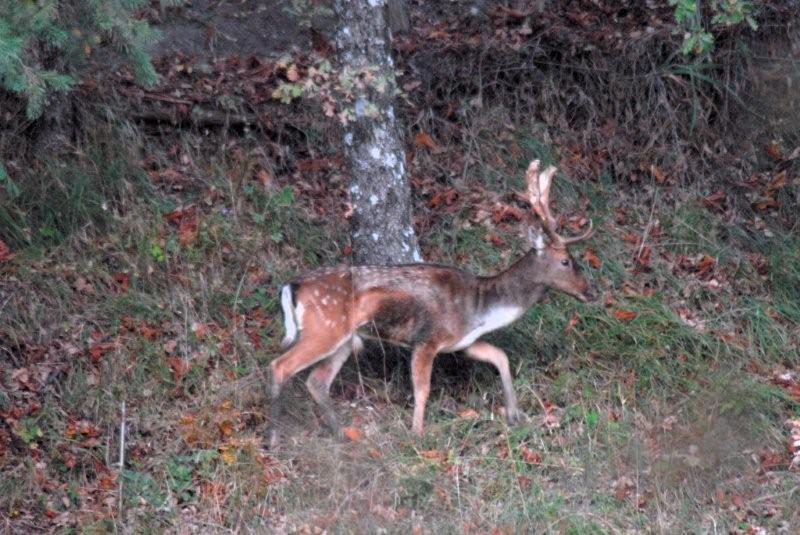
(555, 266)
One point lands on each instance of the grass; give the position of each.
(660, 415)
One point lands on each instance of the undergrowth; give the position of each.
(643, 421)
(145, 273)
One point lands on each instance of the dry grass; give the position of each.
(669, 421)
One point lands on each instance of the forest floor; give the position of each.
(140, 287)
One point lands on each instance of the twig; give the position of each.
(121, 457)
(648, 226)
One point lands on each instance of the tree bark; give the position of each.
(381, 226)
(397, 16)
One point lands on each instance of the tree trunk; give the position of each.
(381, 225)
(397, 16)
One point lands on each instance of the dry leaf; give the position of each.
(264, 177)
(433, 455)
(715, 201)
(529, 455)
(774, 151)
(425, 140)
(643, 258)
(624, 315)
(591, 258)
(659, 175)
(225, 428)
(227, 453)
(573, 321)
(122, 281)
(5, 252)
(179, 368)
(199, 329)
(353, 434)
(469, 414)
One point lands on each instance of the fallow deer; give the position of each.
(431, 308)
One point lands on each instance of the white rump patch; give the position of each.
(494, 319)
(288, 316)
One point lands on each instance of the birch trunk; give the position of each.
(381, 225)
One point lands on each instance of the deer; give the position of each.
(427, 307)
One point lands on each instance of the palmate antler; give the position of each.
(539, 194)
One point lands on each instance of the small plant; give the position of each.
(36, 34)
(698, 40)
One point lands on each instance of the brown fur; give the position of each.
(430, 307)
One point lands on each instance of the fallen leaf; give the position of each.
(715, 201)
(494, 239)
(573, 321)
(97, 351)
(643, 258)
(199, 329)
(622, 487)
(469, 414)
(122, 281)
(71, 430)
(179, 368)
(353, 434)
(148, 332)
(225, 427)
(771, 459)
(264, 177)
(227, 453)
(88, 430)
(529, 455)
(631, 238)
(433, 455)
(774, 151)
(624, 315)
(446, 196)
(5, 252)
(591, 258)
(425, 140)
(705, 264)
(658, 174)
(778, 181)
(551, 420)
(505, 212)
(187, 230)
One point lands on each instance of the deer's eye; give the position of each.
(565, 262)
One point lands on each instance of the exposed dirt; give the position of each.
(210, 29)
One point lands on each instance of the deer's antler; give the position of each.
(539, 194)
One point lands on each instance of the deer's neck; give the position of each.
(518, 286)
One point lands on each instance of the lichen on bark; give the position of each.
(381, 226)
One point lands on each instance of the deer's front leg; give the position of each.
(485, 352)
(421, 366)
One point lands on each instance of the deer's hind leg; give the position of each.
(306, 352)
(321, 377)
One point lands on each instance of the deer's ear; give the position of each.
(536, 239)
